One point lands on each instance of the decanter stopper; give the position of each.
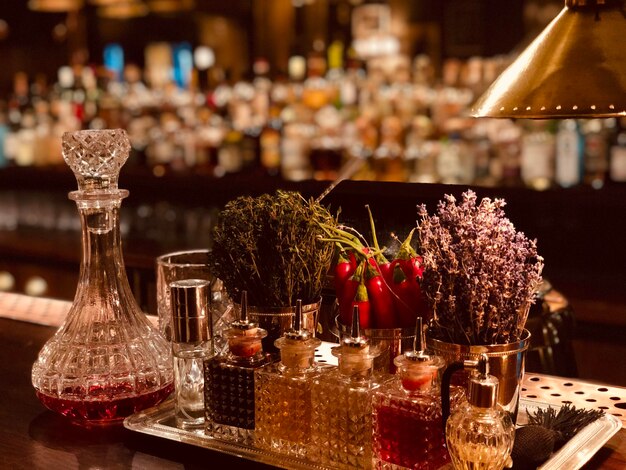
(96, 157)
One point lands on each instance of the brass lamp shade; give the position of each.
(576, 68)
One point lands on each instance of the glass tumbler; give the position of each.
(191, 264)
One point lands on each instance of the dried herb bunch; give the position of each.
(480, 274)
(269, 246)
(547, 431)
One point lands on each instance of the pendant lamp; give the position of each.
(576, 68)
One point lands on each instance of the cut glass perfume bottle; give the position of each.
(283, 408)
(342, 405)
(480, 434)
(407, 415)
(229, 378)
(106, 361)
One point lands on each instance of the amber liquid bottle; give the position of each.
(283, 407)
(480, 434)
(342, 405)
(229, 379)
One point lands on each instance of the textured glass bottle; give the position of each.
(479, 434)
(407, 417)
(229, 378)
(283, 408)
(341, 433)
(192, 344)
(106, 361)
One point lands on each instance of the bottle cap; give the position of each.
(190, 310)
(297, 346)
(418, 354)
(242, 323)
(244, 337)
(297, 333)
(483, 388)
(354, 353)
(418, 369)
(355, 340)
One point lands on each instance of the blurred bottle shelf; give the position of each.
(402, 122)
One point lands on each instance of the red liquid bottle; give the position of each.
(106, 361)
(407, 424)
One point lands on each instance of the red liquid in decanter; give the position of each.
(106, 411)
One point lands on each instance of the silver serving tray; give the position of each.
(159, 421)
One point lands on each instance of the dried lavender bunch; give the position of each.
(480, 274)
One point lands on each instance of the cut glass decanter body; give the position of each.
(480, 438)
(106, 361)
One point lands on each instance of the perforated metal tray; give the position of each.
(581, 394)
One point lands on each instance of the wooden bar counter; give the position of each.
(33, 438)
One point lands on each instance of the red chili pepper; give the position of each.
(413, 267)
(410, 262)
(348, 294)
(361, 299)
(407, 297)
(381, 300)
(386, 269)
(344, 269)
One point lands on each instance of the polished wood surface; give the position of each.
(34, 438)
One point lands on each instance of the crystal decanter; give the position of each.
(106, 361)
(480, 434)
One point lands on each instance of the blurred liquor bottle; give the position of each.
(595, 153)
(569, 153)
